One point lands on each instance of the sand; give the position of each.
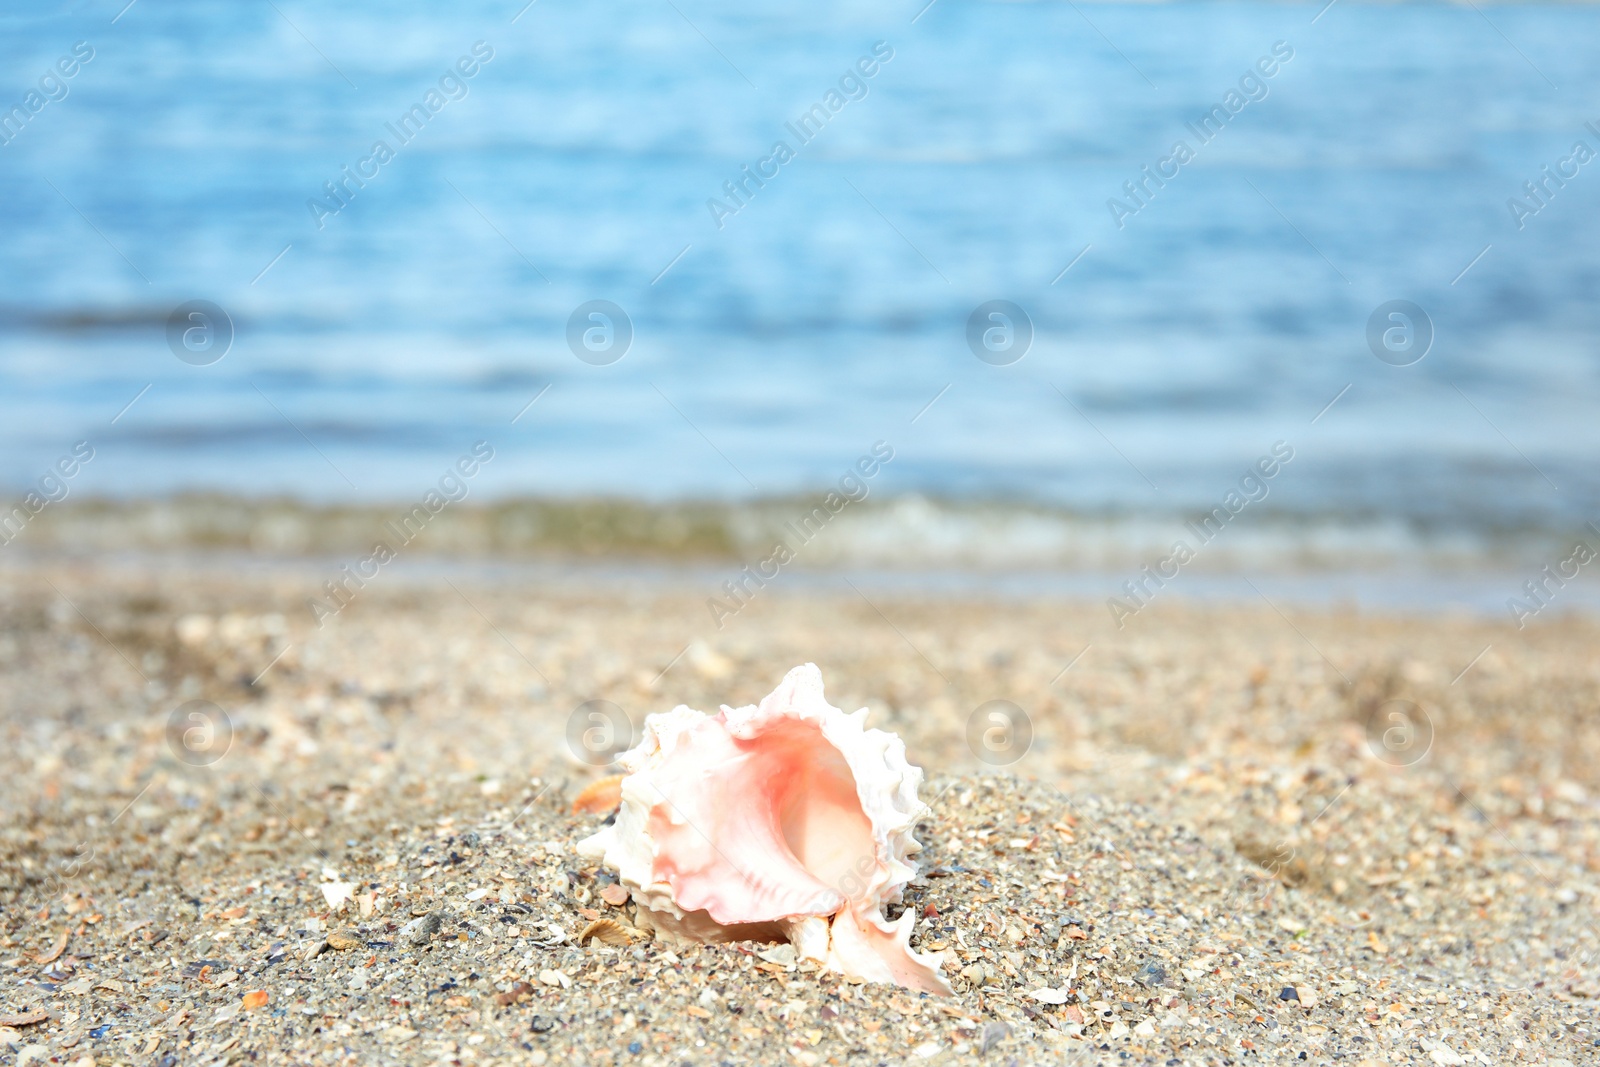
(1220, 846)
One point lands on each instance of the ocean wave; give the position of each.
(905, 533)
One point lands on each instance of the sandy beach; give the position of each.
(1215, 849)
(1170, 426)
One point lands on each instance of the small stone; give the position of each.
(344, 940)
(993, 1034)
(255, 999)
(1151, 975)
(1306, 995)
(541, 1024)
(518, 991)
(973, 973)
(1288, 993)
(193, 630)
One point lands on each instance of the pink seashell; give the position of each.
(788, 820)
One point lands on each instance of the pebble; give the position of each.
(1151, 975)
(344, 940)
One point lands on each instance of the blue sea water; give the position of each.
(1176, 338)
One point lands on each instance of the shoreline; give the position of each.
(1480, 595)
(862, 525)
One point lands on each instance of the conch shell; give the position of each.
(788, 820)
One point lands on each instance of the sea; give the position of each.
(1086, 271)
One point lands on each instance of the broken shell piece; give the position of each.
(337, 894)
(599, 797)
(782, 955)
(784, 821)
(607, 932)
(420, 931)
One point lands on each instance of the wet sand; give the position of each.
(1237, 833)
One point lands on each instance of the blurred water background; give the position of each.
(375, 344)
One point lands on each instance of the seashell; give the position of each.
(337, 894)
(783, 821)
(420, 931)
(599, 797)
(607, 932)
